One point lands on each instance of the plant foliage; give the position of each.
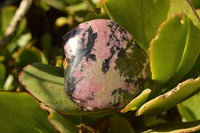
(32, 96)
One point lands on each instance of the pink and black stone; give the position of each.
(106, 68)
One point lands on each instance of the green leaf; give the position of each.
(195, 71)
(174, 127)
(46, 83)
(58, 4)
(170, 98)
(189, 63)
(190, 109)
(6, 16)
(145, 16)
(22, 28)
(70, 6)
(62, 123)
(195, 4)
(174, 62)
(184, 6)
(190, 54)
(27, 56)
(21, 113)
(119, 125)
(71, 2)
(2, 75)
(21, 40)
(96, 15)
(8, 85)
(46, 42)
(167, 47)
(71, 124)
(137, 102)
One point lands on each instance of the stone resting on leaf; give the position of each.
(104, 66)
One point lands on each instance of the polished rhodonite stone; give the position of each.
(106, 68)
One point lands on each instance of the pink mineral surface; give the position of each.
(93, 78)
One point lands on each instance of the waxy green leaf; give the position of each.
(173, 54)
(184, 6)
(27, 56)
(46, 83)
(21, 37)
(167, 48)
(195, 3)
(190, 109)
(62, 123)
(175, 127)
(101, 14)
(137, 102)
(119, 125)
(21, 113)
(6, 15)
(190, 54)
(170, 98)
(195, 71)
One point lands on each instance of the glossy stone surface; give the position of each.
(105, 67)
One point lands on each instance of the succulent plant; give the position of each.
(128, 58)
